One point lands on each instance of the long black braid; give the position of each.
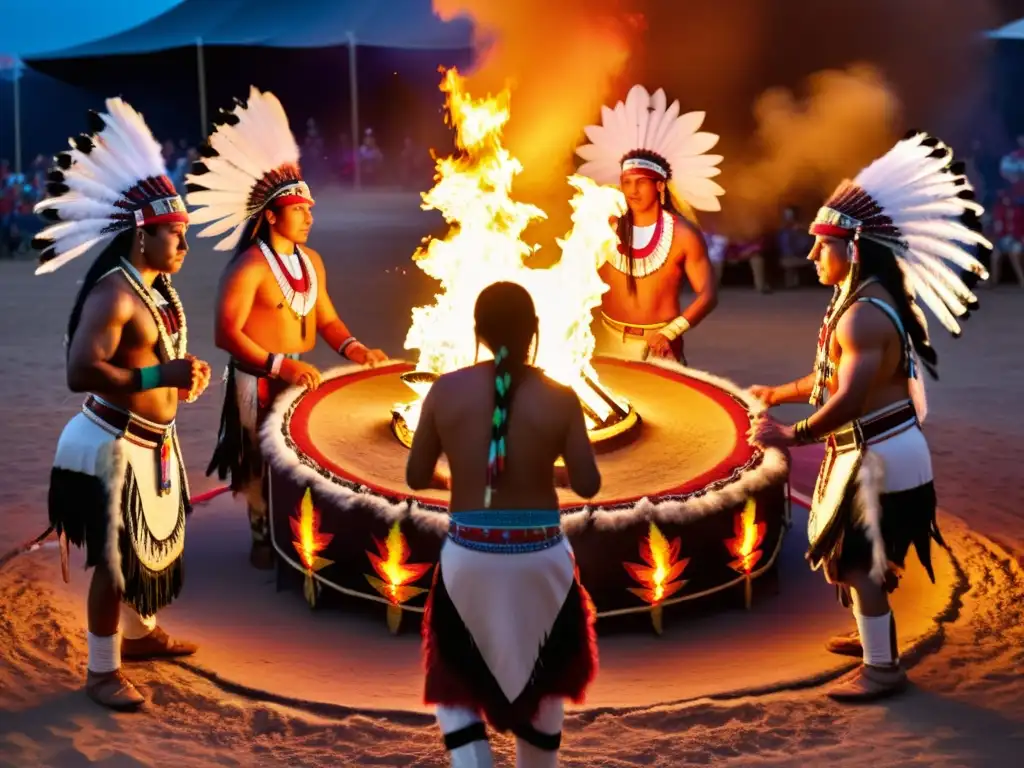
(506, 321)
(624, 227)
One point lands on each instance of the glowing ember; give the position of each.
(396, 575)
(309, 543)
(749, 535)
(473, 192)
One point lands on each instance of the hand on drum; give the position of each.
(763, 393)
(300, 374)
(660, 346)
(768, 433)
(362, 355)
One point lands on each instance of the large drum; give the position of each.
(687, 507)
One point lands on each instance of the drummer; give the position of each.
(272, 300)
(509, 630)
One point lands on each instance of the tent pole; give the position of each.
(17, 117)
(201, 68)
(353, 88)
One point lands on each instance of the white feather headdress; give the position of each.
(646, 125)
(112, 179)
(250, 160)
(916, 201)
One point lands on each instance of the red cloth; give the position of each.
(1008, 218)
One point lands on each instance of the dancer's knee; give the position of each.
(544, 732)
(465, 737)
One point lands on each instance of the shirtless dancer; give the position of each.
(881, 239)
(118, 485)
(508, 632)
(657, 158)
(273, 300)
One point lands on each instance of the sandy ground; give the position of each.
(967, 705)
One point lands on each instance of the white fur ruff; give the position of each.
(867, 510)
(646, 121)
(107, 461)
(773, 469)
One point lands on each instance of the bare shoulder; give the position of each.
(315, 257)
(113, 297)
(687, 237)
(249, 264)
(864, 326)
(562, 395)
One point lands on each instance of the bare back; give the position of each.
(248, 289)
(545, 422)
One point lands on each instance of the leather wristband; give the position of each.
(146, 379)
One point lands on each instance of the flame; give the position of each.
(473, 193)
(309, 541)
(659, 577)
(749, 535)
(396, 574)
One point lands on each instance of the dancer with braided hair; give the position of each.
(883, 241)
(509, 630)
(658, 159)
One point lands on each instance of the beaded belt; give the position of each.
(137, 430)
(148, 434)
(862, 431)
(507, 532)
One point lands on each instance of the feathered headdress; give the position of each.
(642, 135)
(250, 161)
(112, 179)
(916, 201)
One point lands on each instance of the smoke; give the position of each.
(805, 93)
(802, 93)
(803, 146)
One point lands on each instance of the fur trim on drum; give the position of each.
(766, 468)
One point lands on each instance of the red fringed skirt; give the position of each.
(564, 660)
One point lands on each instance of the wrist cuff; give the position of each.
(147, 378)
(802, 432)
(346, 344)
(275, 365)
(676, 328)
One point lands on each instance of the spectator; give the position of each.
(1008, 231)
(794, 244)
(370, 158)
(1011, 168)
